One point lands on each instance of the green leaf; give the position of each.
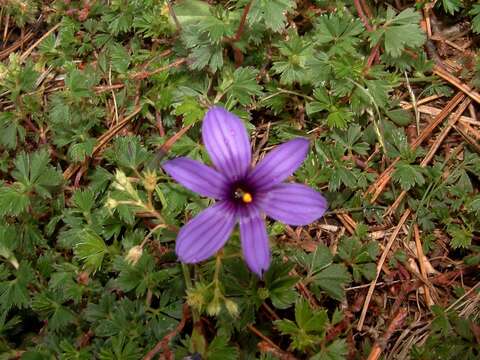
(204, 55)
(272, 12)
(450, 6)
(69, 352)
(399, 31)
(360, 257)
(316, 261)
(35, 173)
(309, 326)
(120, 59)
(11, 132)
(8, 244)
(128, 152)
(350, 140)
(337, 350)
(338, 32)
(400, 117)
(79, 151)
(408, 175)
(332, 280)
(461, 236)
(8, 325)
(219, 349)
(315, 322)
(13, 200)
(191, 111)
(84, 200)
(338, 116)
(242, 85)
(121, 348)
(191, 12)
(78, 84)
(281, 285)
(476, 18)
(59, 316)
(293, 64)
(217, 28)
(474, 205)
(14, 293)
(286, 327)
(91, 249)
(141, 276)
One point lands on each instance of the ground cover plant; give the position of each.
(97, 96)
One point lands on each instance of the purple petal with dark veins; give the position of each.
(279, 164)
(226, 141)
(197, 177)
(206, 233)
(293, 204)
(254, 238)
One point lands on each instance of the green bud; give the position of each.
(195, 298)
(111, 203)
(263, 293)
(123, 184)
(149, 180)
(214, 308)
(232, 307)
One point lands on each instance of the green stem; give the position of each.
(189, 286)
(218, 265)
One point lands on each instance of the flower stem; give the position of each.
(189, 286)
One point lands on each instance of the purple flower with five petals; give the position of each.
(243, 193)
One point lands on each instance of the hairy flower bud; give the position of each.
(196, 298)
(214, 308)
(123, 184)
(111, 203)
(263, 293)
(134, 254)
(232, 307)
(150, 180)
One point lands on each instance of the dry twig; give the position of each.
(387, 248)
(421, 262)
(267, 345)
(163, 344)
(426, 160)
(444, 74)
(394, 324)
(377, 187)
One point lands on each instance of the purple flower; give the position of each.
(243, 193)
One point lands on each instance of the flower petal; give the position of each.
(197, 177)
(293, 204)
(279, 164)
(254, 238)
(206, 233)
(226, 141)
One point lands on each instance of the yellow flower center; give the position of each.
(247, 198)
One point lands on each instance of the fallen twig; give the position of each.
(241, 26)
(444, 74)
(27, 53)
(387, 248)
(102, 141)
(145, 74)
(429, 156)
(394, 324)
(421, 262)
(377, 187)
(268, 345)
(163, 344)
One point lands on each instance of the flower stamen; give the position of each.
(247, 198)
(243, 195)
